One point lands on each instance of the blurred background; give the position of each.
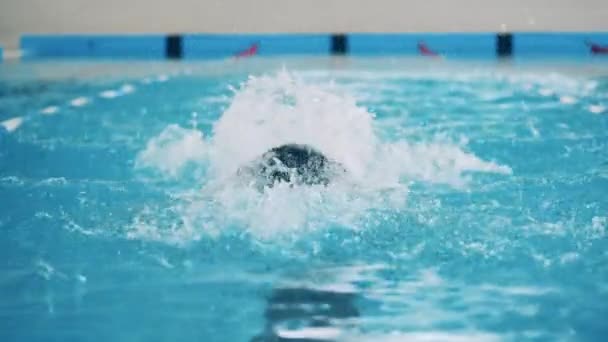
(333, 16)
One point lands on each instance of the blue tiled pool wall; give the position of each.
(89, 46)
(217, 46)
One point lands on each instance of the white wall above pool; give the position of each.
(155, 16)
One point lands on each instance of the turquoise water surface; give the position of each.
(475, 205)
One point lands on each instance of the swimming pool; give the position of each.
(475, 205)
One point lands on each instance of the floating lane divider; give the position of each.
(111, 93)
(79, 101)
(12, 124)
(50, 110)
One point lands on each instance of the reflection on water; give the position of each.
(306, 314)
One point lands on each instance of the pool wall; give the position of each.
(217, 46)
(89, 46)
(313, 16)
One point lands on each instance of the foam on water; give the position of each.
(172, 149)
(269, 111)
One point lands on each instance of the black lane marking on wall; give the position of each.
(174, 46)
(504, 45)
(339, 44)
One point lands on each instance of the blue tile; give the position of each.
(93, 46)
(1, 54)
(556, 44)
(447, 44)
(211, 46)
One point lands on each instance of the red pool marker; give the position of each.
(251, 51)
(424, 50)
(597, 49)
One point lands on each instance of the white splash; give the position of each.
(172, 150)
(269, 111)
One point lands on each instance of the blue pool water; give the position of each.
(474, 208)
